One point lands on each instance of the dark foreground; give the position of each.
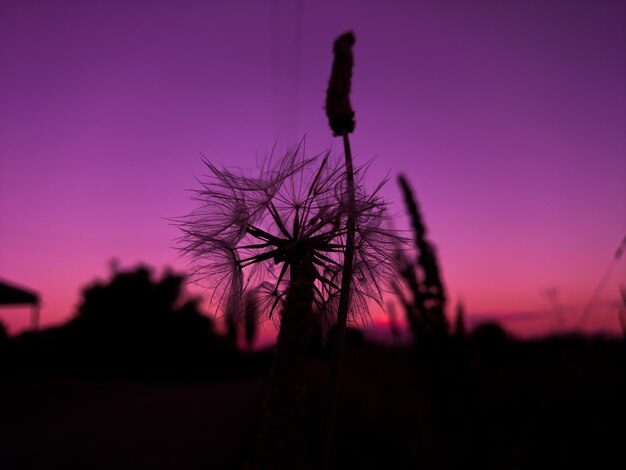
(550, 404)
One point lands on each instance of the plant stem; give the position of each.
(342, 311)
(281, 443)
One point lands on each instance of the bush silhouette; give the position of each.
(133, 303)
(137, 322)
(3, 342)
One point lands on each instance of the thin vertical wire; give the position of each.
(286, 23)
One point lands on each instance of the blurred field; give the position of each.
(528, 405)
(79, 423)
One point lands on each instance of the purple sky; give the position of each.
(508, 118)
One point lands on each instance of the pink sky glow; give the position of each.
(508, 118)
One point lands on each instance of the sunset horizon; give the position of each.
(297, 235)
(508, 122)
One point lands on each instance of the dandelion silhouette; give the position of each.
(282, 234)
(250, 232)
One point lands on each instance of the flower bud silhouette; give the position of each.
(338, 108)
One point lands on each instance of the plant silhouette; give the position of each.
(425, 308)
(244, 322)
(136, 321)
(134, 299)
(282, 233)
(341, 121)
(460, 327)
(251, 318)
(4, 336)
(622, 310)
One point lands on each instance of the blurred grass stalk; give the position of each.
(425, 310)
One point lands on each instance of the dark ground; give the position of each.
(549, 404)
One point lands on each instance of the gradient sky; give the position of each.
(508, 118)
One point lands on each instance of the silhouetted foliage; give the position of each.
(241, 319)
(249, 232)
(4, 337)
(132, 325)
(251, 318)
(425, 306)
(231, 321)
(489, 334)
(136, 321)
(3, 333)
(556, 402)
(394, 328)
(622, 310)
(460, 330)
(133, 305)
(341, 119)
(282, 233)
(491, 342)
(320, 225)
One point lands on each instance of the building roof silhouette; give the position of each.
(10, 294)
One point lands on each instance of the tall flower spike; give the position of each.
(341, 120)
(338, 108)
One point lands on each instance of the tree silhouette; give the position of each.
(135, 320)
(134, 299)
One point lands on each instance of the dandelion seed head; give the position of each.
(247, 231)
